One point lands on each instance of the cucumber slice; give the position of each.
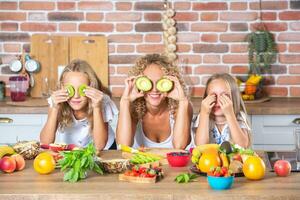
(164, 85)
(70, 90)
(143, 83)
(81, 90)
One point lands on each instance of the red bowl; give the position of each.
(178, 159)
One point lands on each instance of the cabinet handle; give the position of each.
(296, 121)
(5, 120)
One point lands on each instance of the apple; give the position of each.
(8, 164)
(20, 162)
(282, 168)
(237, 157)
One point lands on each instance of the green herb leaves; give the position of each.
(75, 164)
(185, 178)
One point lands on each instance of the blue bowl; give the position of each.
(220, 183)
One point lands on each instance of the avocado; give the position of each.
(164, 85)
(226, 146)
(70, 90)
(81, 90)
(143, 83)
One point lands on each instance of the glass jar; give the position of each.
(18, 88)
(2, 90)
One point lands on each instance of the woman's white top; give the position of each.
(140, 139)
(79, 132)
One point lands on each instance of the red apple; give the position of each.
(282, 168)
(20, 162)
(237, 157)
(8, 164)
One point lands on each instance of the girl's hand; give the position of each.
(177, 92)
(208, 103)
(59, 96)
(131, 93)
(226, 104)
(95, 95)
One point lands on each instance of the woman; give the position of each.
(154, 118)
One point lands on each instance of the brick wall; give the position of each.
(211, 34)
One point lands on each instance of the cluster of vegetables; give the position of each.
(250, 87)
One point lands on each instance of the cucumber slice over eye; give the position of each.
(70, 90)
(164, 85)
(81, 90)
(143, 83)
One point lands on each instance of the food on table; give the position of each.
(28, 149)
(143, 159)
(143, 83)
(208, 160)
(236, 166)
(20, 161)
(44, 163)
(178, 159)
(185, 178)
(6, 150)
(254, 168)
(81, 90)
(220, 178)
(282, 167)
(140, 174)
(226, 147)
(8, 164)
(115, 165)
(164, 85)
(70, 89)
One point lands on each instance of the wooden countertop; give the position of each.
(27, 184)
(276, 106)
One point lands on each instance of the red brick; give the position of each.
(14, 37)
(209, 27)
(289, 37)
(36, 5)
(239, 48)
(295, 26)
(209, 38)
(289, 15)
(153, 38)
(294, 69)
(188, 37)
(117, 91)
(8, 5)
(281, 47)
(111, 48)
(182, 5)
(126, 38)
(123, 70)
(276, 91)
(238, 26)
(269, 16)
(186, 16)
(182, 27)
(96, 27)
(12, 16)
(268, 80)
(238, 6)
(238, 69)
(111, 70)
(149, 6)
(148, 27)
(154, 48)
(295, 91)
(271, 26)
(190, 59)
(8, 26)
(238, 16)
(38, 27)
(211, 59)
(235, 58)
(68, 27)
(197, 91)
(152, 16)
(233, 37)
(94, 16)
(210, 48)
(124, 27)
(65, 16)
(66, 5)
(210, 6)
(122, 59)
(288, 80)
(270, 5)
(209, 16)
(289, 58)
(276, 69)
(211, 69)
(92, 5)
(294, 48)
(124, 6)
(183, 48)
(12, 48)
(130, 16)
(37, 16)
(125, 49)
(117, 80)
(191, 80)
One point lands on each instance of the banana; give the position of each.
(204, 147)
(253, 79)
(6, 150)
(224, 159)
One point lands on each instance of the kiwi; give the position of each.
(143, 83)
(226, 146)
(70, 90)
(81, 90)
(164, 85)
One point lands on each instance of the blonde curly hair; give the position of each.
(66, 112)
(138, 107)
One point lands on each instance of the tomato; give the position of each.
(44, 163)
(208, 160)
(254, 168)
(282, 167)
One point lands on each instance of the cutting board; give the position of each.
(94, 50)
(50, 52)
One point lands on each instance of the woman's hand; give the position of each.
(95, 95)
(131, 93)
(59, 96)
(177, 92)
(226, 104)
(208, 103)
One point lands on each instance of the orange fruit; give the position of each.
(254, 168)
(208, 160)
(44, 163)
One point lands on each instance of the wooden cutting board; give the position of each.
(94, 50)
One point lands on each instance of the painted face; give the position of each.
(218, 87)
(76, 79)
(154, 73)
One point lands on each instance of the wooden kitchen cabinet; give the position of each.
(273, 132)
(22, 127)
